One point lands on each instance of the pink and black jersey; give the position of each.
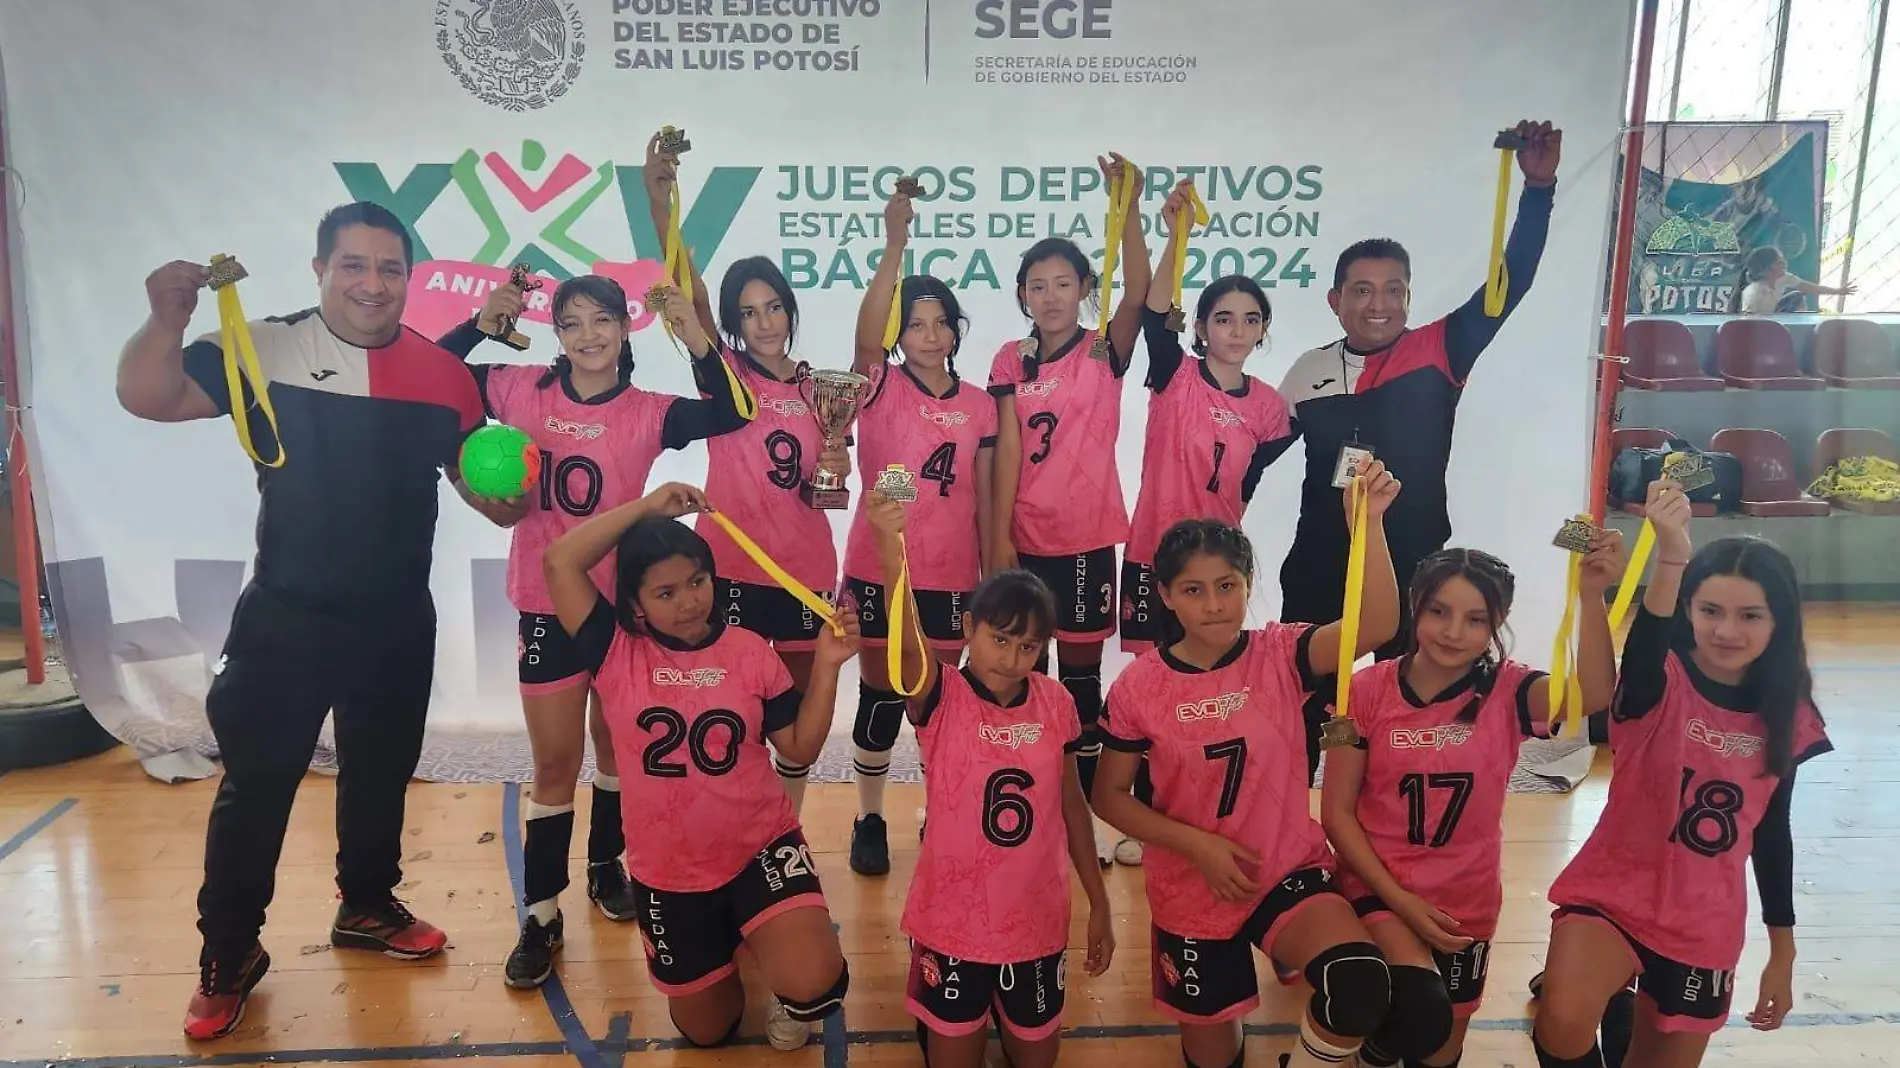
(595, 455)
(1432, 801)
(753, 475)
(1690, 799)
(936, 439)
(697, 790)
(1200, 443)
(992, 880)
(1068, 408)
(1227, 750)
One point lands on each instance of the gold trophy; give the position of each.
(833, 398)
(522, 278)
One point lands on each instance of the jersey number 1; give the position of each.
(1413, 787)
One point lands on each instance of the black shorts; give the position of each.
(1204, 981)
(1687, 998)
(955, 997)
(771, 613)
(1144, 617)
(1464, 971)
(942, 612)
(1084, 585)
(546, 655)
(691, 937)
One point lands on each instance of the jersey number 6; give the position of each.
(1003, 797)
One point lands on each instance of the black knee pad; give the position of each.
(1352, 989)
(544, 849)
(1453, 1063)
(1085, 686)
(1419, 1021)
(723, 1040)
(824, 1004)
(1619, 1020)
(1546, 1059)
(880, 717)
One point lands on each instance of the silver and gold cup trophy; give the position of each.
(833, 398)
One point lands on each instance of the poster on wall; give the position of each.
(514, 131)
(1710, 194)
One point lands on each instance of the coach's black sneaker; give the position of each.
(611, 891)
(224, 986)
(388, 928)
(532, 960)
(870, 846)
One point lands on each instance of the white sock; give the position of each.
(537, 811)
(872, 769)
(544, 912)
(610, 783)
(1311, 1051)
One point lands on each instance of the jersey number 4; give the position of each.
(1413, 788)
(941, 468)
(673, 731)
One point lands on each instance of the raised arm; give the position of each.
(690, 419)
(1379, 609)
(661, 177)
(1165, 355)
(1468, 331)
(152, 382)
(1125, 328)
(567, 561)
(875, 311)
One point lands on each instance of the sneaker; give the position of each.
(1104, 846)
(785, 1034)
(532, 960)
(611, 891)
(224, 986)
(388, 928)
(1129, 852)
(1537, 986)
(870, 846)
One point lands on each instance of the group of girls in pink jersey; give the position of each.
(714, 692)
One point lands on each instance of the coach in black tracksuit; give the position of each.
(337, 616)
(1395, 391)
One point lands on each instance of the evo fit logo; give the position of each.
(1013, 736)
(547, 211)
(1735, 744)
(1430, 737)
(1213, 708)
(697, 678)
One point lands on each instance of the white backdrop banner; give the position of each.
(510, 130)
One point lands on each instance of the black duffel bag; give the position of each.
(1635, 468)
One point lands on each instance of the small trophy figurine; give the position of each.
(909, 187)
(673, 141)
(522, 278)
(1512, 140)
(833, 398)
(1575, 535)
(897, 484)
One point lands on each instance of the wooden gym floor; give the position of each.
(99, 865)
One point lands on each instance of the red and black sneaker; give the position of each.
(388, 928)
(224, 986)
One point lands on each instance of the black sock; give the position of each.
(1619, 1019)
(606, 834)
(544, 849)
(1546, 1059)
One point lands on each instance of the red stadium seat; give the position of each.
(1837, 444)
(1768, 479)
(1855, 354)
(1759, 354)
(1645, 437)
(1662, 357)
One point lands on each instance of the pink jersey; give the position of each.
(753, 475)
(1195, 454)
(697, 790)
(595, 455)
(936, 439)
(1687, 789)
(1227, 750)
(1069, 410)
(1432, 802)
(992, 880)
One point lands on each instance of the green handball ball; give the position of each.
(499, 462)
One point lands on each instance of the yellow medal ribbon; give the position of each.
(1121, 200)
(1355, 594)
(894, 325)
(679, 272)
(818, 605)
(901, 627)
(1566, 693)
(1626, 589)
(1497, 284)
(1196, 215)
(235, 337)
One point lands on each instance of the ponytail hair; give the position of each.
(1759, 262)
(604, 292)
